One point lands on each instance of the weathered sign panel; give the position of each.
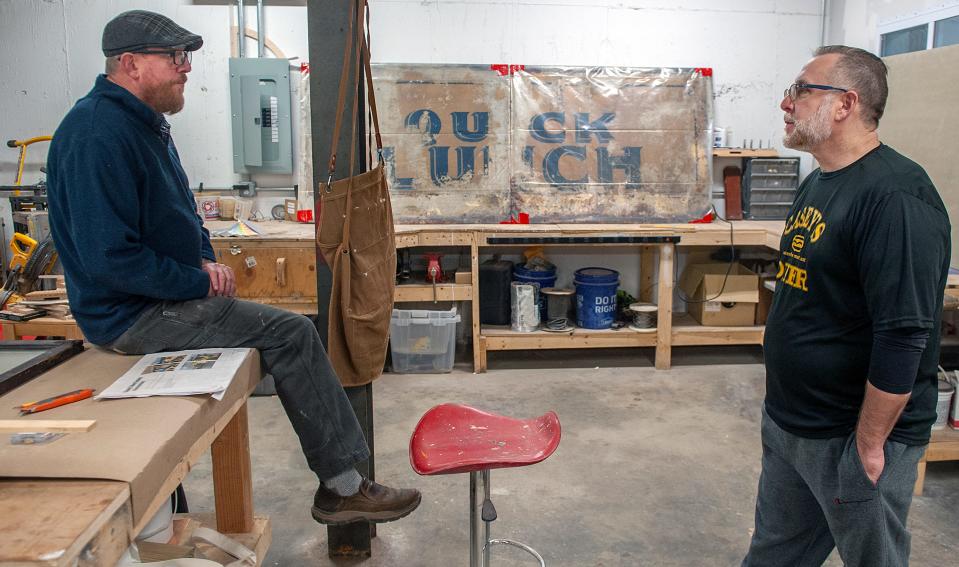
(571, 144)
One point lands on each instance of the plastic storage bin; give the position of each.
(758, 181)
(781, 196)
(769, 211)
(423, 342)
(788, 165)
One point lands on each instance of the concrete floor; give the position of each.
(655, 467)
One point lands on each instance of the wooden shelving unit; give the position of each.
(685, 332)
(285, 240)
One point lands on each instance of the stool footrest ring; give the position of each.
(520, 545)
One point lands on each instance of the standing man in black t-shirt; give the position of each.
(851, 341)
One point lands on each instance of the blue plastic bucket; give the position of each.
(596, 297)
(545, 278)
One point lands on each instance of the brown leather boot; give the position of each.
(372, 503)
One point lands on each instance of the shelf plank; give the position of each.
(944, 445)
(503, 338)
(424, 292)
(687, 332)
(744, 152)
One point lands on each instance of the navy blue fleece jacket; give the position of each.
(121, 212)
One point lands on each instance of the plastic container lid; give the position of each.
(594, 275)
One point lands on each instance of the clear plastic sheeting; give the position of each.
(474, 144)
(304, 144)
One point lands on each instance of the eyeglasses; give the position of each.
(797, 89)
(179, 57)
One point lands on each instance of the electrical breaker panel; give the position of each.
(260, 107)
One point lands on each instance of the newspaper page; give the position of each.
(179, 373)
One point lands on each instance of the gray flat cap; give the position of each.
(140, 30)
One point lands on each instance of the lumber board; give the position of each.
(53, 522)
(47, 425)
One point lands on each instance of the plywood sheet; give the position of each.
(920, 120)
(472, 144)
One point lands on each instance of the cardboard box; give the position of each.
(463, 276)
(765, 299)
(731, 300)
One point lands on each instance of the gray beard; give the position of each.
(809, 133)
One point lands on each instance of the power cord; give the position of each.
(732, 259)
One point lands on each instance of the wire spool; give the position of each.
(644, 317)
(524, 303)
(558, 304)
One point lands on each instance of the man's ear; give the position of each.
(130, 65)
(849, 100)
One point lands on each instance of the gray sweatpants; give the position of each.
(814, 495)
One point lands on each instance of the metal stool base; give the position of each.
(480, 542)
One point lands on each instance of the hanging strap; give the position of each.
(360, 34)
(375, 124)
(341, 97)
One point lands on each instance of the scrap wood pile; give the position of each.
(51, 303)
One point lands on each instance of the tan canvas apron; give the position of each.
(355, 236)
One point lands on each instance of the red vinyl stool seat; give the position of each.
(454, 438)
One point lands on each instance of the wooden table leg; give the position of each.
(664, 316)
(920, 478)
(479, 353)
(232, 476)
(647, 267)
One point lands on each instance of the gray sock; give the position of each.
(347, 483)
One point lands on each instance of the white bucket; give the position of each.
(946, 391)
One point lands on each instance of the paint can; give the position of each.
(596, 297)
(944, 404)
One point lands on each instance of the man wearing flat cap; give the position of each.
(141, 270)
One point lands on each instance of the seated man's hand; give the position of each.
(222, 280)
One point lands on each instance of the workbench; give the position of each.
(81, 499)
(283, 273)
(41, 327)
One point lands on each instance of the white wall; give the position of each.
(856, 22)
(755, 48)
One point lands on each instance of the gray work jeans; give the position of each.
(290, 349)
(814, 495)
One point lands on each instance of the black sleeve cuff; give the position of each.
(895, 359)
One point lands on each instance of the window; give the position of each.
(904, 41)
(947, 32)
(933, 28)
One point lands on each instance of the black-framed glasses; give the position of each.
(179, 56)
(797, 89)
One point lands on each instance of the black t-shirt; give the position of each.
(866, 248)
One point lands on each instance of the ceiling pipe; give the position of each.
(260, 35)
(240, 29)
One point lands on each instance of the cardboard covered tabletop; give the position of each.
(136, 440)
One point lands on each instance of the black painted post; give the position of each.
(327, 26)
